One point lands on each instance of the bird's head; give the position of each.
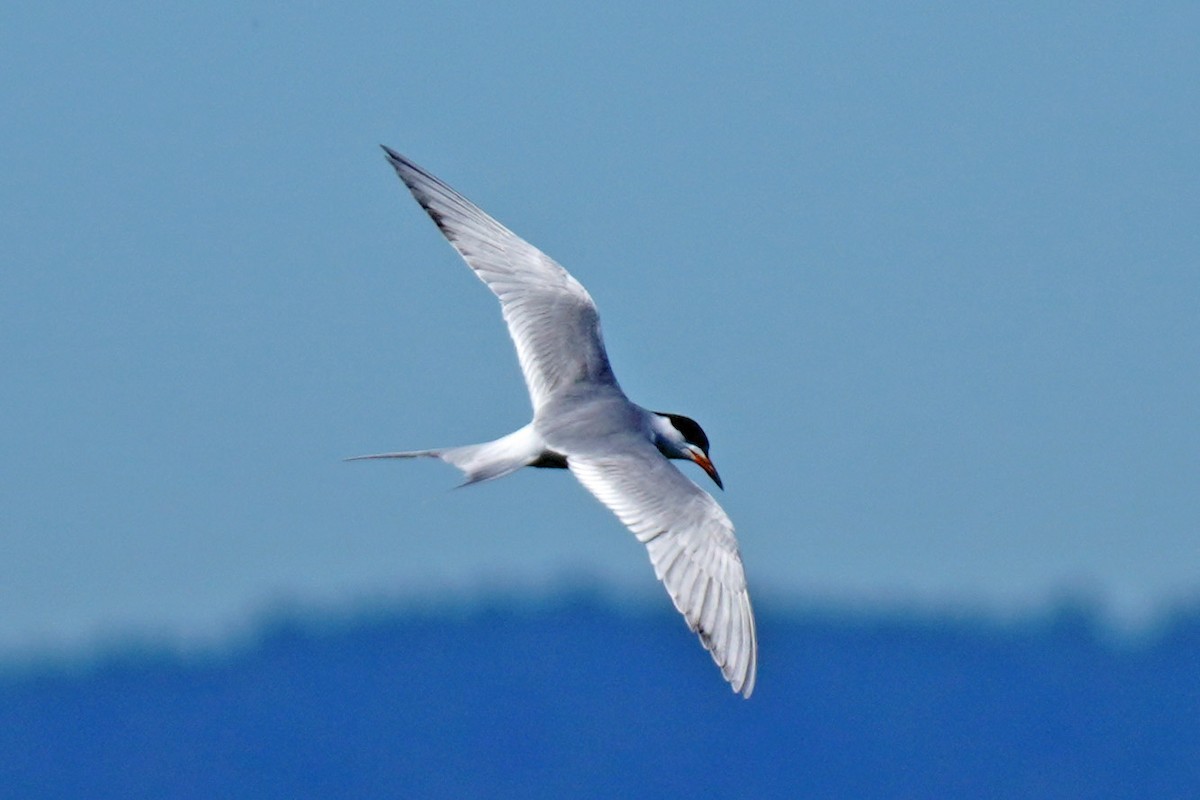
(678, 436)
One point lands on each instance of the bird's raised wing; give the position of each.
(691, 544)
(550, 316)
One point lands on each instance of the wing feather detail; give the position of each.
(550, 316)
(691, 544)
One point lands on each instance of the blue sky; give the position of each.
(929, 279)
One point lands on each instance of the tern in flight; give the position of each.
(583, 422)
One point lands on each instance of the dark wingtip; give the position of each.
(398, 162)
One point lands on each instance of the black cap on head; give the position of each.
(691, 430)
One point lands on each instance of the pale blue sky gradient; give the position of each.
(930, 280)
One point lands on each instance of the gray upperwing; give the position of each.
(551, 317)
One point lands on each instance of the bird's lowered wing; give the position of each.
(691, 544)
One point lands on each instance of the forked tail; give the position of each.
(482, 462)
